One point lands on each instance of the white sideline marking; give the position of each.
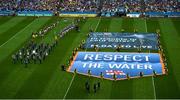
(74, 75)
(154, 88)
(146, 25)
(17, 34)
(97, 24)
(69, 87)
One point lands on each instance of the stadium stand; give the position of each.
(78, 6)
(106, 8)
(7, 5)
(46, 5)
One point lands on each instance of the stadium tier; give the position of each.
(106, 8)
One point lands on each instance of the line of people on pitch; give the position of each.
(68, 29)
(33, 53)
(44, 30)
(64, 66)
(37, 52)
(162, 52)
(96, 87)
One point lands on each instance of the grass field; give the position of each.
(48, 81)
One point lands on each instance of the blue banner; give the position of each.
(35, 13)
(6, 13)
(78, 14)
(120, 64)
(162, 14)
(125, 40)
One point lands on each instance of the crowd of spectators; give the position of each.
(92, 6)
(162, 6)
(47, 5)
(133, 6)
(8, 5)
(112, 6)
(78, 6)
(142, 6)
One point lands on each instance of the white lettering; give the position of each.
(108, 57)
(137, 58)
(88, 57)
(127, 58)
(99, 57)
(147, 58)
(116, 57)
(130, 66)
(125, 66)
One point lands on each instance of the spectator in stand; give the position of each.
(78, 6)
(112, 6)
(162, 6)
(8, 5)
(142, 6)
(46, 5)
(91, 6)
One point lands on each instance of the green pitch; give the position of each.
(48, 81)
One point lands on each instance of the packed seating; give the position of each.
(6, 5)
(78, 6)
(110, 7)
(152, 7)
(162, 6)
(133, 6)
(48, 5)
(140, 6)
